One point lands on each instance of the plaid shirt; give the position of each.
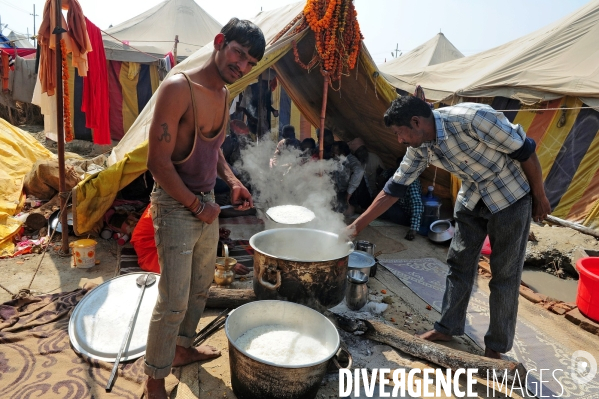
(412, 203)
(473, 142)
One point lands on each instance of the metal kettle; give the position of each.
(356, 295)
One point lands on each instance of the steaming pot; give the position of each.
(300, 265)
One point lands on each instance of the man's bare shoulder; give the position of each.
(175, 84)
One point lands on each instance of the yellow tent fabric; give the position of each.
(18, 152)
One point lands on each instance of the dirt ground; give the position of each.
(407, 311)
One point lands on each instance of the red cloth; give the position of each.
(4, 70)
(22, 52)
(95, 102)
(171, 57)
(144, 244)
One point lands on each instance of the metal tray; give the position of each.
(99, 321)
(360, 259)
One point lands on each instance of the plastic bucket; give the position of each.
(84, 253)
(587, 298)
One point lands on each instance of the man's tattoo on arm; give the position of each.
(165, 134)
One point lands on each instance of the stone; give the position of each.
(529, 294)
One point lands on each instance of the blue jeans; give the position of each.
(508, 233)
(187, 255)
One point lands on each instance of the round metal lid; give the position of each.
(99, 321)
(360, 259)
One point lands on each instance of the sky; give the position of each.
(471, 25)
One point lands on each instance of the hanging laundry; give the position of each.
(76, 39)
(5, 69)
(24, 78)
(171, 57)
(95, 102)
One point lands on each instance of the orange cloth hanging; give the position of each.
(76, 40)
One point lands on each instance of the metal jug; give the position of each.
(356, 295)
(367, 246)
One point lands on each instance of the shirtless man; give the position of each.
(184, 156)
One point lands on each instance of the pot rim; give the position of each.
(297, 366)
(350, 244)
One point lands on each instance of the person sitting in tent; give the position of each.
(347, 177)
(185, 161)
(328, 140)
(288, 142)
(408, 210)
(372, 165)
(502, 186)
(309, 150)
(259, 118)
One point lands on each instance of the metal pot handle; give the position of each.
(350, 360)
(265, 283)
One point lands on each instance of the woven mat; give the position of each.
(426, 278)
(36, 358)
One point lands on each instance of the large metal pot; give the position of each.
(300, 265)
(254, 378)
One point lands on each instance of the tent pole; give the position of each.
(323, 112)
(60, 130)
(175, 50)
(260, 105)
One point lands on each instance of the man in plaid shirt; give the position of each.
(502, 186)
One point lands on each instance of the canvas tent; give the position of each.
(20, 41)
(435, 51)
(354, 111)
(154, 32)
(547, 82)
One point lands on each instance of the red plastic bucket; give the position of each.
(587, 298)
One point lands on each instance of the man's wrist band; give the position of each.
(194, 205)
(200, 209)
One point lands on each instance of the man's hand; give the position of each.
(210, 212)
(350, 232)
(241, 269)
(347, 197)
(410, 235)
(241, 198)
(540, 207)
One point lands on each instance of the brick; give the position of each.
(558, 310)
(582, 321)
(529, 294)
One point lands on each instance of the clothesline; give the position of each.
(143, 52)
(543, 109)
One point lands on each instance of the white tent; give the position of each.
(435, 51)
(20, 41)
(154, 32)
(561, 59)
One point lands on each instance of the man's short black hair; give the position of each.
(309, 143)
(403, 108)
(288, 132)
(247, 34)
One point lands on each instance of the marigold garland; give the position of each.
(66, 102)
(337, 34)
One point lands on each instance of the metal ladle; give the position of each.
(144, 280)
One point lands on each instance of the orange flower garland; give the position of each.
(337, 33)
(66, 103)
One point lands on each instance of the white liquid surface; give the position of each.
(280, 345)
(290, 214)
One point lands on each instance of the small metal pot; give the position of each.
(441, 231)
(253, 378)
(362, 261)
(357, 291)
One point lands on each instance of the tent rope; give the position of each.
(143, 52)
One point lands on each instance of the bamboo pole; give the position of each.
(175, 49)
(573, 226)
(60, 130)
(323, 112)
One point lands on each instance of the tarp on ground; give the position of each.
(154, 31)
(19, 150)
(558, 60)
(432, 52)
(355, 110)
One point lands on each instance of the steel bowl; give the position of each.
(360, 260)
(441, 231)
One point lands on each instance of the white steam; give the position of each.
(293, 181)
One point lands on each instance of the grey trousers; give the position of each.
(508, 233)
(187, 255)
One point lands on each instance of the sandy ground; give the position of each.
(409, 313)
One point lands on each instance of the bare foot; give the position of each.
(492, 354)
(184, 356)
(154, 389)
(434, 335)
